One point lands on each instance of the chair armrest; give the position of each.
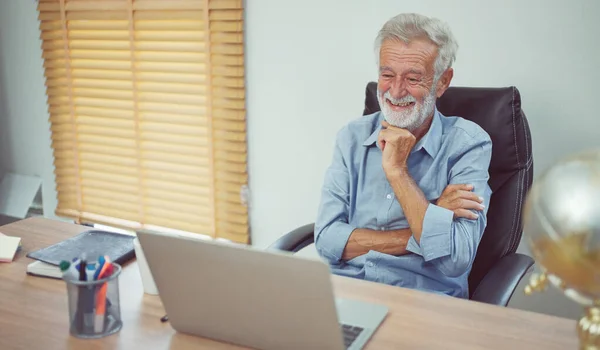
(295, 240)
(499, 284)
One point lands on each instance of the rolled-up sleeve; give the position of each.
(451, 244)
(332, 229)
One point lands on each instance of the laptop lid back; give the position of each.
(237, 294)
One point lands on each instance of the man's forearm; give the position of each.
(363, 240)
(411, 199)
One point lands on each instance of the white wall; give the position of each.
(24, 127)
(308, 63)
(307, 66)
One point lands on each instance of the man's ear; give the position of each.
(444, 82)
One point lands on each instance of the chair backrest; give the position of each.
(498, 112)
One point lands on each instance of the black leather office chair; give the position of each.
(497, 268)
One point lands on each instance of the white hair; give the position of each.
(408, 26)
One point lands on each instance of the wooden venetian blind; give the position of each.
(147, 110)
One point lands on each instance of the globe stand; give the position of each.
(588, 327)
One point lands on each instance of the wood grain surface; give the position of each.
(34, 315)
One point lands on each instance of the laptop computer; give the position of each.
(255, 298)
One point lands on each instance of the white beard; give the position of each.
(410, 119)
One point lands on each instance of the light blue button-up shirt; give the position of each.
(356, 194)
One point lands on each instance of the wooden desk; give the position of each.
(33, 312)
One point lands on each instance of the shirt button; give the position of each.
(370, 263)
(389, 196)
(382, 228)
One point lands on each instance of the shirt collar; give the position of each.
(373, 137)
(431, 141)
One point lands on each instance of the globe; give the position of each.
(562, 224)
(561, 219)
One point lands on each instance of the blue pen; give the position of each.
(101, 262)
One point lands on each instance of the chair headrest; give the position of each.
(497, 111)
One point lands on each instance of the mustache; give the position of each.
(405, 99)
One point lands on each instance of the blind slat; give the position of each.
(176, 67)
(50, 25)
(228, 82)
(150, 146)
(108, 212)
(228, 209)
(176, 177)
(101, 97)
(125, 196)
(233, 218)
(174, 118)
(229, 26)
(228, 60)
(183, 25)
(84, 15)
(123, 35)
(168, 5)
(178, 187)
(232, 231)
(227, 49)
(231, 146)
(125, 55)
(144, 77)
(131, 209)
(226, 15)
(225, 4)
(202, 228)
(197, 210)
(107, 150)
(182, 219)
(225, 37)
(103, 112)
(110, 177)
(195, 24)
(138, 15)
(93, 166)
(157, 194)
(142, 86)
(119, 5)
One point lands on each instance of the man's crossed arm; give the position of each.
(457, 198)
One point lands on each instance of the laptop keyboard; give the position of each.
(350, 334)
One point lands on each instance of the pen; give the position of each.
(101, 297)
(102, 270)
(82, 267)
(87, 299)
(100, 309)
(81, 296)
(101, 263)
(90, 271)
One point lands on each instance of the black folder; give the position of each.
(92, 243)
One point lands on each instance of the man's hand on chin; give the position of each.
(396, 144)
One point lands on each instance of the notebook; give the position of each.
(94, 243)
(8, 247)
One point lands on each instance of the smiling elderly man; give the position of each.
(404, 201)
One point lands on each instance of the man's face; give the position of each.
(406, 88)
